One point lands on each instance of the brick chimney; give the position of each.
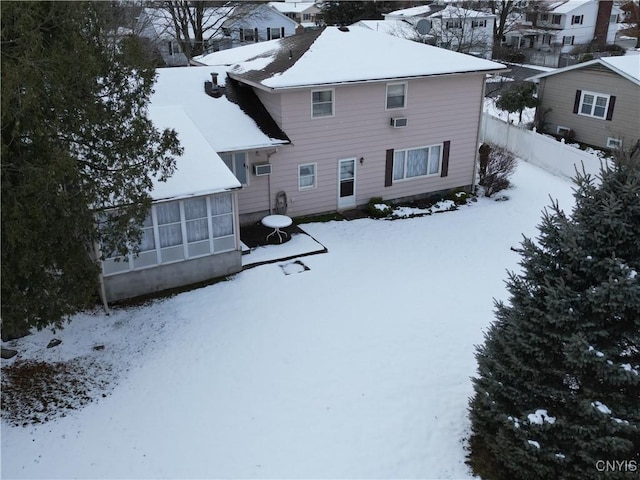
(602, 22)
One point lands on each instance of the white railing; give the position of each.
(540, 150)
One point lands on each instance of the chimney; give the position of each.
(602, 22)
(214, 79)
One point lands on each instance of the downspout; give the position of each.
(269, 180)
(475, 155)
(102, 291)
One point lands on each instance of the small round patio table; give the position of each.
(277, 222)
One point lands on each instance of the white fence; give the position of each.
(540, 150)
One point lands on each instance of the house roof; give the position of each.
(199, 171)
(627, 66)
(567, 6)
(292, 7)
(392, 26)
(333, 55)
(226, 122)
(438, 11)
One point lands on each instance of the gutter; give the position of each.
(476, 151)
(261, 86)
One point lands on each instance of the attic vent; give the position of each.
(342, 28)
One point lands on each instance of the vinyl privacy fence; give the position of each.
(540, 150)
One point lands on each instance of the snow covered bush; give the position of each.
(378, 208)
(496, 166)
(557, 393)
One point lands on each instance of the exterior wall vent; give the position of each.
(399, 122)
(261, 169)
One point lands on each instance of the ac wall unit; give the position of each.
(399, 122)
(260, 169)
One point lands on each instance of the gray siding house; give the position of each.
(366, 115)
(596, 102)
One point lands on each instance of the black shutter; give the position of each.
(445, 158)
(242, 35)
(255, 32)
(268, 33)
(576, 102)
(282, 32)
(388, 169)
(612, 102)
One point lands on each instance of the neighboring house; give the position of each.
(306, 14)
(555, 28)
(397, 28)
(596, 102)
(367, 115)
(225, 27)
(451, 27)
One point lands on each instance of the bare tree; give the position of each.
(508, 15)
(461, 30)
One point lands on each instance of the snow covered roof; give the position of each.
(437, 11)
(222, 122)
(292, 7)
(199, 171)
(628, 66)
(567, 6)
(399, 28)
(335, 55)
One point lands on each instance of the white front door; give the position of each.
(346, 183)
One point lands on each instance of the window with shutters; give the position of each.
(248, 35)
(577, 19)
(556, 19)
(567, 40)
(417, 162)
(594, 104)
(275, 32)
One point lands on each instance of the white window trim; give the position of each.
(593, 107)
(315, 176)
(613, 142)
(478, 23)
(429, 147)
(560, 130)
(131, 258)
(333, 102)
(570, 42)
(553, 18)
(386, 96)
(580, 19)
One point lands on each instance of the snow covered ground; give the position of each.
(354, 363)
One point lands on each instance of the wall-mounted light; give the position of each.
(361, 160)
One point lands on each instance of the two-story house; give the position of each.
(554, 28)
(306, 14)
(450, 26)
(367, 114)
(223, 27)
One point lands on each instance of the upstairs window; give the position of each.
(568, 40)
(544, 17)
(556, 19)
(396, 95)
(478, 23)
(577, 19)
(613, 19)
(275, 32)
(322, 103)
(450, 24)
(248, 35)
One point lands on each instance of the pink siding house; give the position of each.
(349, 114)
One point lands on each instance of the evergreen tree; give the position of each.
(517, 98)
(558, 387)
(76, 141)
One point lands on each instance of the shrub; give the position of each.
(378, 208)
(496, 166)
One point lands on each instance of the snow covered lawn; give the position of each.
(352, 364)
